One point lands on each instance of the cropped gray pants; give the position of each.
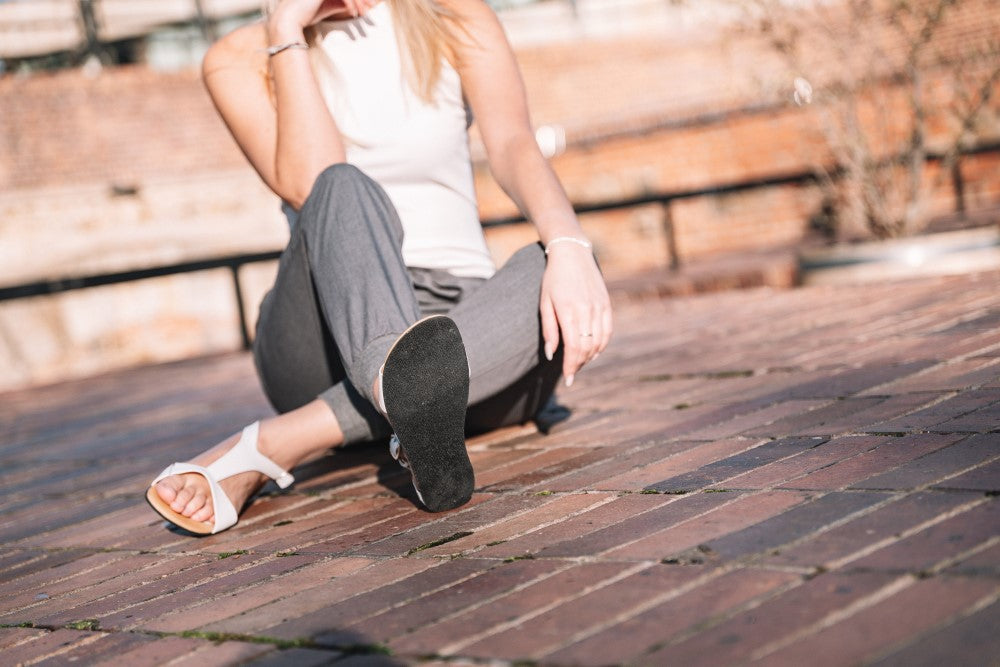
(343, 296)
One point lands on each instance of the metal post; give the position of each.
(234, 268)
(207, 25)
(90, 28)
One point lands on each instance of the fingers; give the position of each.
(550, 327)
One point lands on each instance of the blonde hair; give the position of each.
(423, 26)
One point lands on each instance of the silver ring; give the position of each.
(588, 335)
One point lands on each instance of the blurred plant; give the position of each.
(898, 84)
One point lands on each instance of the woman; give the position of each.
(387, 315)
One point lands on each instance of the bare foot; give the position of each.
(189, 494)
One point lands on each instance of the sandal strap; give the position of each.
(244, 457)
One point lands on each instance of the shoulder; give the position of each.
(470, 14)
(243, 47)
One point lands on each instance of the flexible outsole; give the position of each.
(425, 381)
(163, 509)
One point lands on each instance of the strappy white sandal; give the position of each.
(243, 457)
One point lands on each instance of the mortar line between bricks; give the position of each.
(885, 592)
(945, 563)
(737, 498)
(538, 611)
(972, 609)
(567, 565)
(732, 612)
(98, 583)
(189, 586)
(541, 526)
(50, 582)
(912, 530)
(757, 558)
(927, 486)
(644, 607)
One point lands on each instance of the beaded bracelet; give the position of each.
(570, 239)
(278, 48)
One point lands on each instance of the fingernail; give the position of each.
(548, 351)
(569, 380)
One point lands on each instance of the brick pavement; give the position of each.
(762, 476)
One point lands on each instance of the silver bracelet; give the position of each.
(278, 48)
(570, 239)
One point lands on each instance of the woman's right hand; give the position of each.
(299, 14)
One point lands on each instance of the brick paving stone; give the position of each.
(117, 576)
(131, 586)
(890, 453)
(619, 460)
(985, 419)
(758, 418)
(464, 520)
(937, 465)
(562, 460)
(323, 593)
(247, 598)
(674, 464)
(936, 543)
(47, 645)
(14, 636)
(862, 533)
(551, 509)
(41, 578)
(497, 581)
(931, 418)
(731, 466)
(299, 657)
(738, 513)
(967, 641)
(781, 616)
(302, 534)
(542, 633)
(136, 614)
(338, 614)
(983, 563)
(825, 453)
(794, 524)
(678, 510)
(624, 639)
(103, 647)
(43, 561)
(449, 635)
(847, 415)
(985, 477)
(224, 653)
(95, 569)
(587, 522)
(947, 376)
(863, 635)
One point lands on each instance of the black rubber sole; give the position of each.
(425, 381)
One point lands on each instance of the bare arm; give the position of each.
(273, 106)
(574, 304)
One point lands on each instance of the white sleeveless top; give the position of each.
(418, 152)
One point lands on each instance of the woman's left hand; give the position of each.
(574, 307)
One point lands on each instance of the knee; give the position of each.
(530, 258)
(338, 186)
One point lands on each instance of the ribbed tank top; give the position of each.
(418, 152)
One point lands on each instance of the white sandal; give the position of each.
(243, 457)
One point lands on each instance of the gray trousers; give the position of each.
(343, 296)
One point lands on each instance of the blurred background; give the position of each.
(688, 134)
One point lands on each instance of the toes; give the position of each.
(204, 514)
(183, 497)
(167, 489)
(198, 502)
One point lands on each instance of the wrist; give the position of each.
(282, 29)
(568, 242)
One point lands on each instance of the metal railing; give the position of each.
(235, 261)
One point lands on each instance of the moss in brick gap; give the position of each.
(227, 554)
(85, 624)
(437, 543)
